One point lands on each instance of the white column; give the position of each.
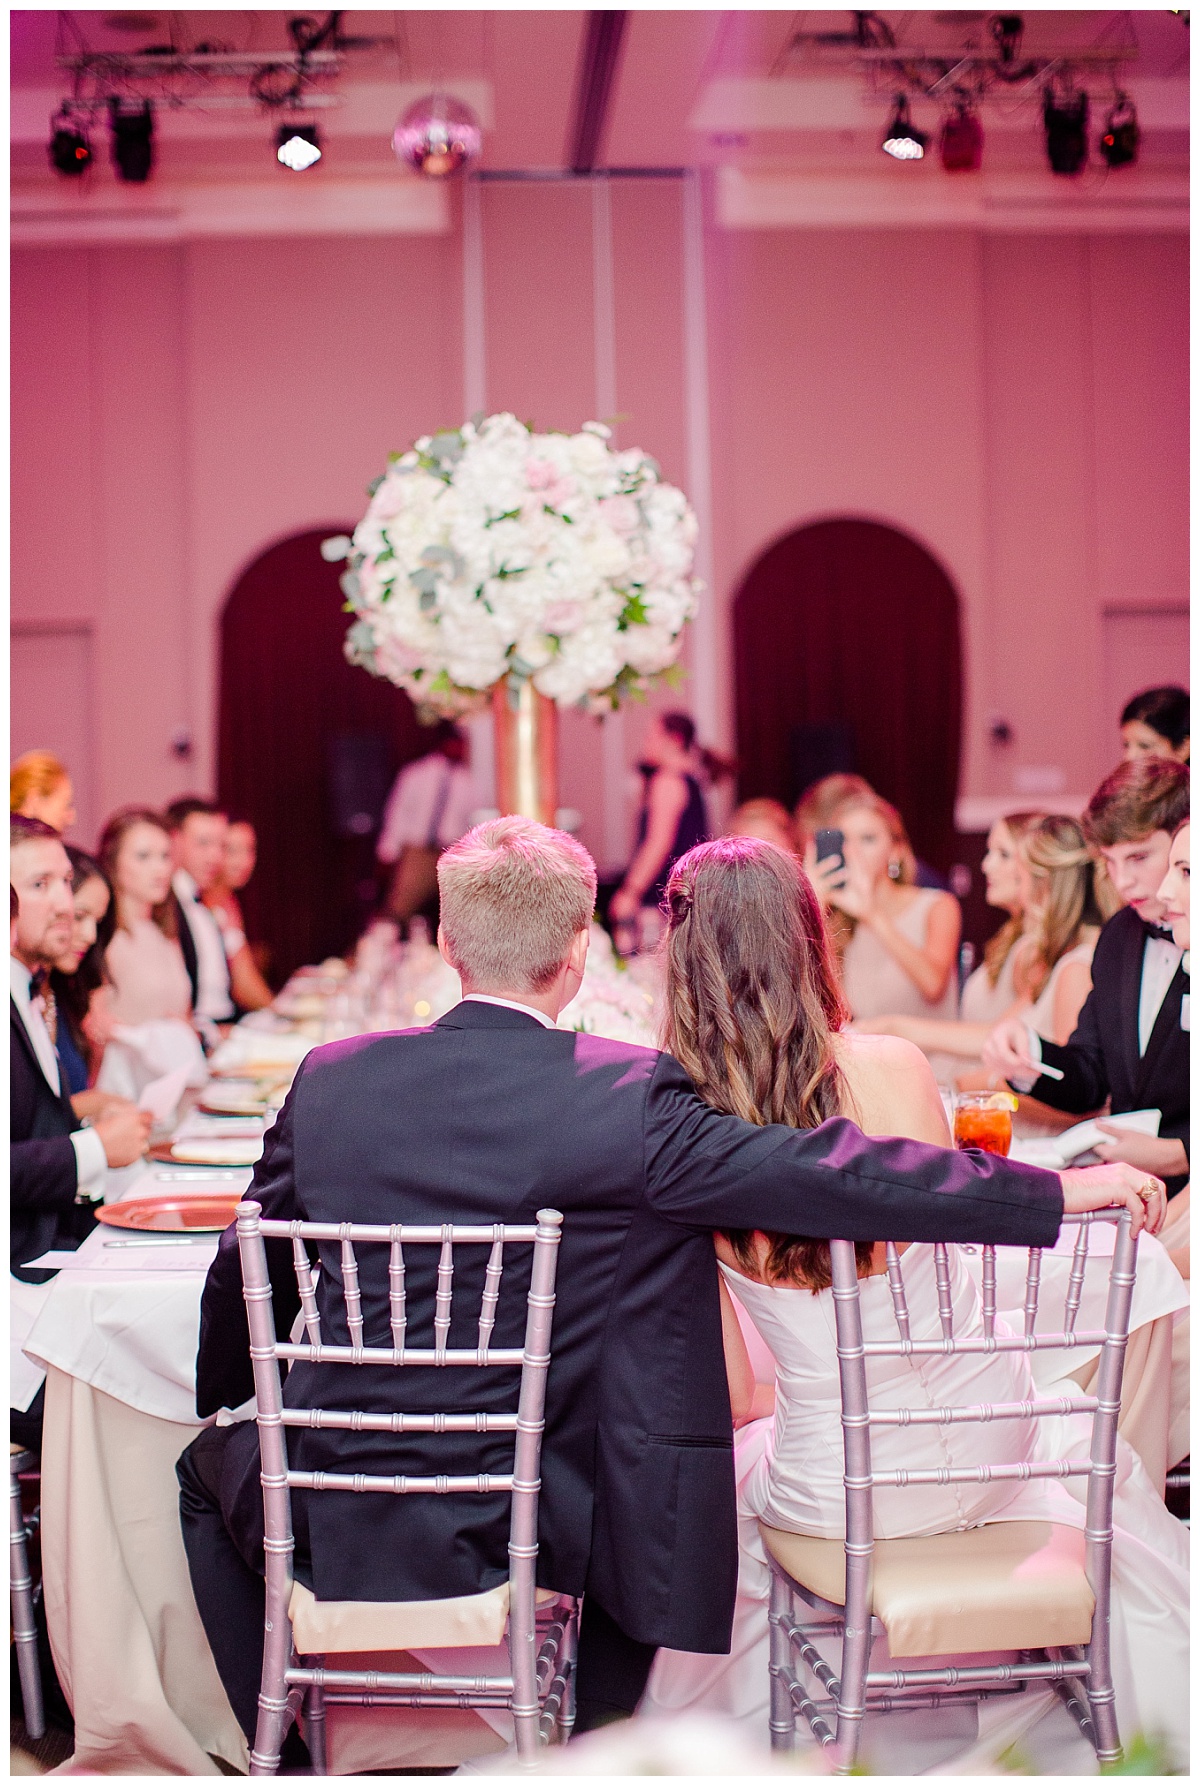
(474, 321)
(604, 323)
(483, 745)
(705, 699)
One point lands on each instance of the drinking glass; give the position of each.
(983, 1119)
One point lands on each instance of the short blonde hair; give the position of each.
(35, 774)
(514, 895)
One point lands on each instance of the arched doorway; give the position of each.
(307, 746)
(848, 656)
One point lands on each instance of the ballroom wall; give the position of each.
(1017, 402)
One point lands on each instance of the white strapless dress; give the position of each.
(789, 1473)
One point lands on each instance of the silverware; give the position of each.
(193, 1174)
(167, 1240)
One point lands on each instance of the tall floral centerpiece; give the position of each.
(531, 571)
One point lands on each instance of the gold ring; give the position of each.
(1147, 1190)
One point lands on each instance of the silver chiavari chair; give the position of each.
(542, 1628)
(21, 1595)
(1034, 1591)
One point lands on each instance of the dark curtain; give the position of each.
(846, 640)
(306, 749)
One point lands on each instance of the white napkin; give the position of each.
(170, 1255)
(141, 1053)
(1057, 1151)
(161, 1097)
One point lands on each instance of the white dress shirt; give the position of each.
(431, 799)
(91, 1162)
(509, 1004)
(212, 968)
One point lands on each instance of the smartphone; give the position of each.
(831, 846)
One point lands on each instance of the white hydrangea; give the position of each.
(489, 551)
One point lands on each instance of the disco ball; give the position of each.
(438, 136)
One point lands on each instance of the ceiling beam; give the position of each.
(597, 71)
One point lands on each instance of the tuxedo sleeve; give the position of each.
(708, 1170)
(1084, 1084)
(224, 1375)
(43, 1174)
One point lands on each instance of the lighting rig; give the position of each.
(958, 82)
(437, 136)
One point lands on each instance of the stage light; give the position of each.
(298, 146)
(1066, 131)
(1121, 135)
(69, 148)
(131, 140)
(902, 139)
(961, 143)
(438, 136)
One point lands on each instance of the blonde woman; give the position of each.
(765, 819)
(902, 952)
(1049, 959)
(39, 787)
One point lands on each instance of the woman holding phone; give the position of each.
(903, 945)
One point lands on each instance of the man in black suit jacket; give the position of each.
(1129, 1045)
(57, 1166)
(489, 1115)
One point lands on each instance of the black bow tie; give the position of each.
(1160, 933)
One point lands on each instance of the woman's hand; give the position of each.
(1006, 1052)
(855, 895)
(1149, 1153)
(826, 876)
(623, 906)
(99, 1024)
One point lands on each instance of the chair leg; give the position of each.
(783, 1715)
(314, 1724)
(274, 1707)
(21, 1591)
(567, 1659)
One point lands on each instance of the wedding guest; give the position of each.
(765, 819)
(637, 1498)
(77, 992)
(57, 1164)
(903, 945)
(1158, 723)
(239, 860)
(754, 1015)
(1129, 1045)
(39, 787)
(144, 960)
(428, 808)
(1049, 958)
(197, 831)
(820, 802)
(1176, 896)
(673, 816)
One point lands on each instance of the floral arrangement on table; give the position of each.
(611, 1002)
(489, 551)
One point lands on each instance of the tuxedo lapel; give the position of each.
(1165, 1025)
(25, 1041)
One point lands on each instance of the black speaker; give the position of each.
(359, 769)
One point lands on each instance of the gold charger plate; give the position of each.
(189, 1214)
(221, 1150)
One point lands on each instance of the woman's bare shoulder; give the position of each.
(891, 1086)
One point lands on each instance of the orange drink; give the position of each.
(983, 1119)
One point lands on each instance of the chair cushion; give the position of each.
(1018, 1584)
(323, 1626)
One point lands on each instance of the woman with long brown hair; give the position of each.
(753, 1012)
(144, 960)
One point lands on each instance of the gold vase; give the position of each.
(526, 725)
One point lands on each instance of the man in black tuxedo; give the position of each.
(57, 1164)
(1130, 1045)
(489, 1115)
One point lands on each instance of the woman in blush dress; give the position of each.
(144, 960)
(754, 1014)
(902, 953)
